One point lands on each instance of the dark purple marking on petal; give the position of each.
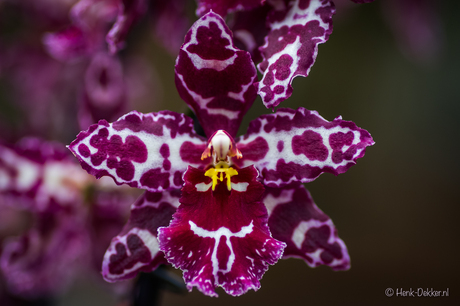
(121, 261)
(190, 152)
(178, 178)
(214, 77)
(280, 146)
(309, 234)
(310, 146)
(254, 150)
(233, 248)
(291, 46)
(154, 178)
(84, 150)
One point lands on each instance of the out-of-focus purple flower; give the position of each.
(39, 177)
(40, 90)
(95, 23)
(170, 23)
(104, 93)
(248, 184)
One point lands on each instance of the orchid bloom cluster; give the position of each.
(223, 208)
(72, 215)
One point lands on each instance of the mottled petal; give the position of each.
(44, 260)
(308, 232)
(291, 46)
(39, 176)
(104, 95)
(298, 146)
(223, 7)
(136, 248)
(148, 151)
(214, 77)
(221, 237)
(129, 12)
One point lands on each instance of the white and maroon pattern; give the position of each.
(298, 146)
(223, 7)
(136, 248)
(308, 232)
(39, 176)
(291, 47)
(214, 77)
(148, 151)
(233, 248)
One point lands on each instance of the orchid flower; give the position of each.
(284, 33)
(41, 178)
(234, 190)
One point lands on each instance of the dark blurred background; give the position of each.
(397, 209)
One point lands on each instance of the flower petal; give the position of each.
(129, 12)
(291, 46)
(308, 232)
(214, 77)
(68, 44)
(39, 176)
(148, 151)
(104, 96)
(249, 30)
(44, 260)
(223, 7)
(231, 249)
(136, 248)
(298, 146)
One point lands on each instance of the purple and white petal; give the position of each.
(104, 95)
(233, 248)
(308, 232)
(136, 248)
(297, 146)
(129, 12)
(213, 77)
(38, 175)
(147, 151)
(291, 47)
(223, 7)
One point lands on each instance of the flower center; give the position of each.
(222, 147)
